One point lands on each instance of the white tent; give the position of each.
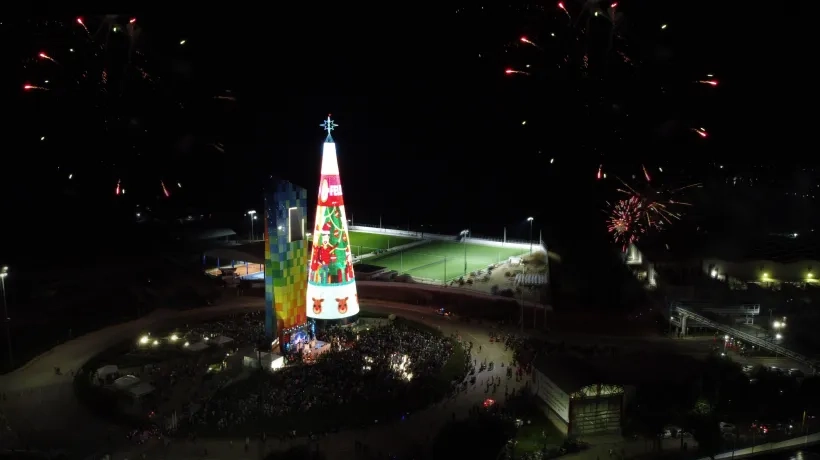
(108, 369)
(141, 389)
(197, 346)
(277, 362)
(253, 361)
(222, 340)
(125, 382)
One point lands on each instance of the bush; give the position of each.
(538, 258)
(506, 292)
(475, 438)
(296, 453)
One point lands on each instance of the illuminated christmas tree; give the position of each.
(331, 292)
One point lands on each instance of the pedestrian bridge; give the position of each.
(686, 313)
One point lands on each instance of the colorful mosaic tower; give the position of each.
(286, 260)
(331, 284)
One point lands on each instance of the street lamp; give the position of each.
(530, 219)
(4, 272)
(465, 234)
(252, 215)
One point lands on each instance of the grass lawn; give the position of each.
(540, 431)
(454, 367)
(443, 260)
(364, 243)
(531, 437)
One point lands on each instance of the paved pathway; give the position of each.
(34, 390)
(41, 406)
(462, 291)
(44, 412)
(789, 444)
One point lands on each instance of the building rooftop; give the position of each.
(775, 247)
(572, 371)
(252, 252)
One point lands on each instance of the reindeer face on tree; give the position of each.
(317, 306)
(342, 305)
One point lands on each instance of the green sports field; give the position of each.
(443, 260)
(365, 243)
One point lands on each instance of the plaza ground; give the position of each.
(365, 243)
(35, 390)
(443, 260)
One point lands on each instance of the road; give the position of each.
(35, 390)
(44, 412)
(41, 406)
(779, 362)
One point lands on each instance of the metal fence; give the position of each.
(682, 310)
(420, 232)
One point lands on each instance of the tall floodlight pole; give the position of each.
(252, 215)
(522, 306)
(530, 219)
(465, 234)
(4, 272)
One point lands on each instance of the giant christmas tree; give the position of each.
(331, 292)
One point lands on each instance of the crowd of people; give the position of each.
(244, 328)
(380, 370)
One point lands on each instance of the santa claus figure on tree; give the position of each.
(332, 262)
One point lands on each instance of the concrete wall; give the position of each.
(434, 236)
(402, 247)
(461, 302)
(749, 270)
(753, 270)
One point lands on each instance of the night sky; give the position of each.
(429, 132)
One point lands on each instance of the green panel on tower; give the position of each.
(286, 259)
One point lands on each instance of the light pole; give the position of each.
(252, 215)
(465, 234)
(522, 307)
(530, 219)
(4, 272)
(778, 326)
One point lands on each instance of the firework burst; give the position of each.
(654, 209)
(628, 221)
(100, 92)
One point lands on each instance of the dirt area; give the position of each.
(605, 323)
(502, 278)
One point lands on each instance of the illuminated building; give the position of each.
(286, 259)
(331, 287)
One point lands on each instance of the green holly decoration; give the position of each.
(337, 239)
